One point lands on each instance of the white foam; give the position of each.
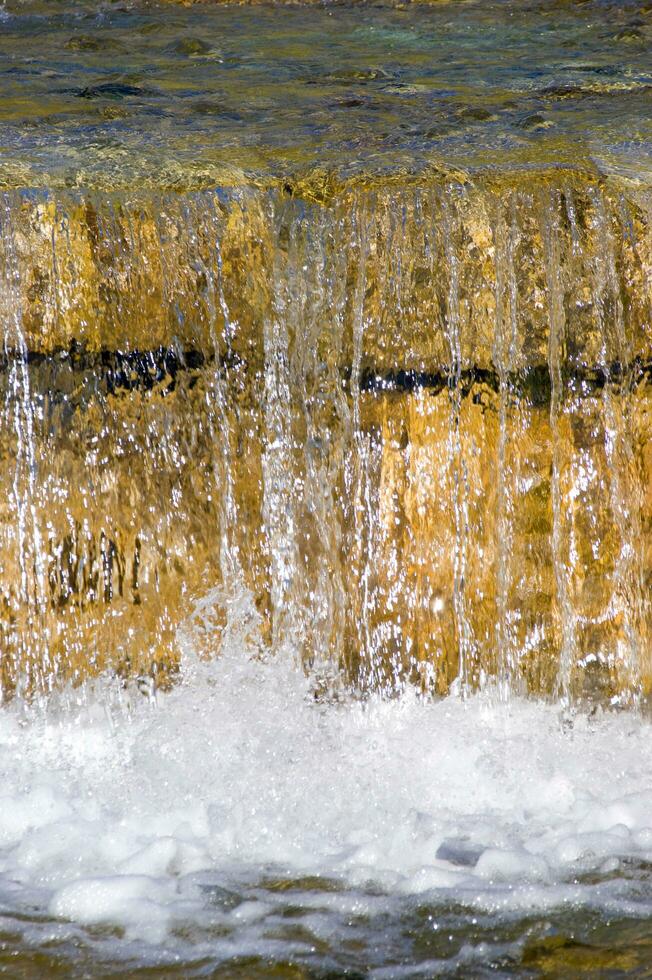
(141, 821)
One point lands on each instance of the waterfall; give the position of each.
(408, 428)
(25, 630)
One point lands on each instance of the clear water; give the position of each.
(255, 821)
(134, 94)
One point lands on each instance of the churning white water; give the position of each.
(236, 816)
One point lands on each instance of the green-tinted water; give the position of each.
(124, 94)
(121, 97)
(371, 936)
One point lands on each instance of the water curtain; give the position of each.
(404, 433)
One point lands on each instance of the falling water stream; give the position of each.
(424, 465)
(325, 509)
(348, 457)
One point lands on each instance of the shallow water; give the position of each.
(237, 827)
(130, 94)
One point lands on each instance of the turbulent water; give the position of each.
(238, 824)
(278, 473)
(325, 490)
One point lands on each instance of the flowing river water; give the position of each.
(325, 507)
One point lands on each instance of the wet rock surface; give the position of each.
(412, 421)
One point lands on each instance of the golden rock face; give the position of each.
(411, 423)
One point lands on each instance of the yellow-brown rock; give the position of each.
(411, 422)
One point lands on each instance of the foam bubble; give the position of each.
(150, 821)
